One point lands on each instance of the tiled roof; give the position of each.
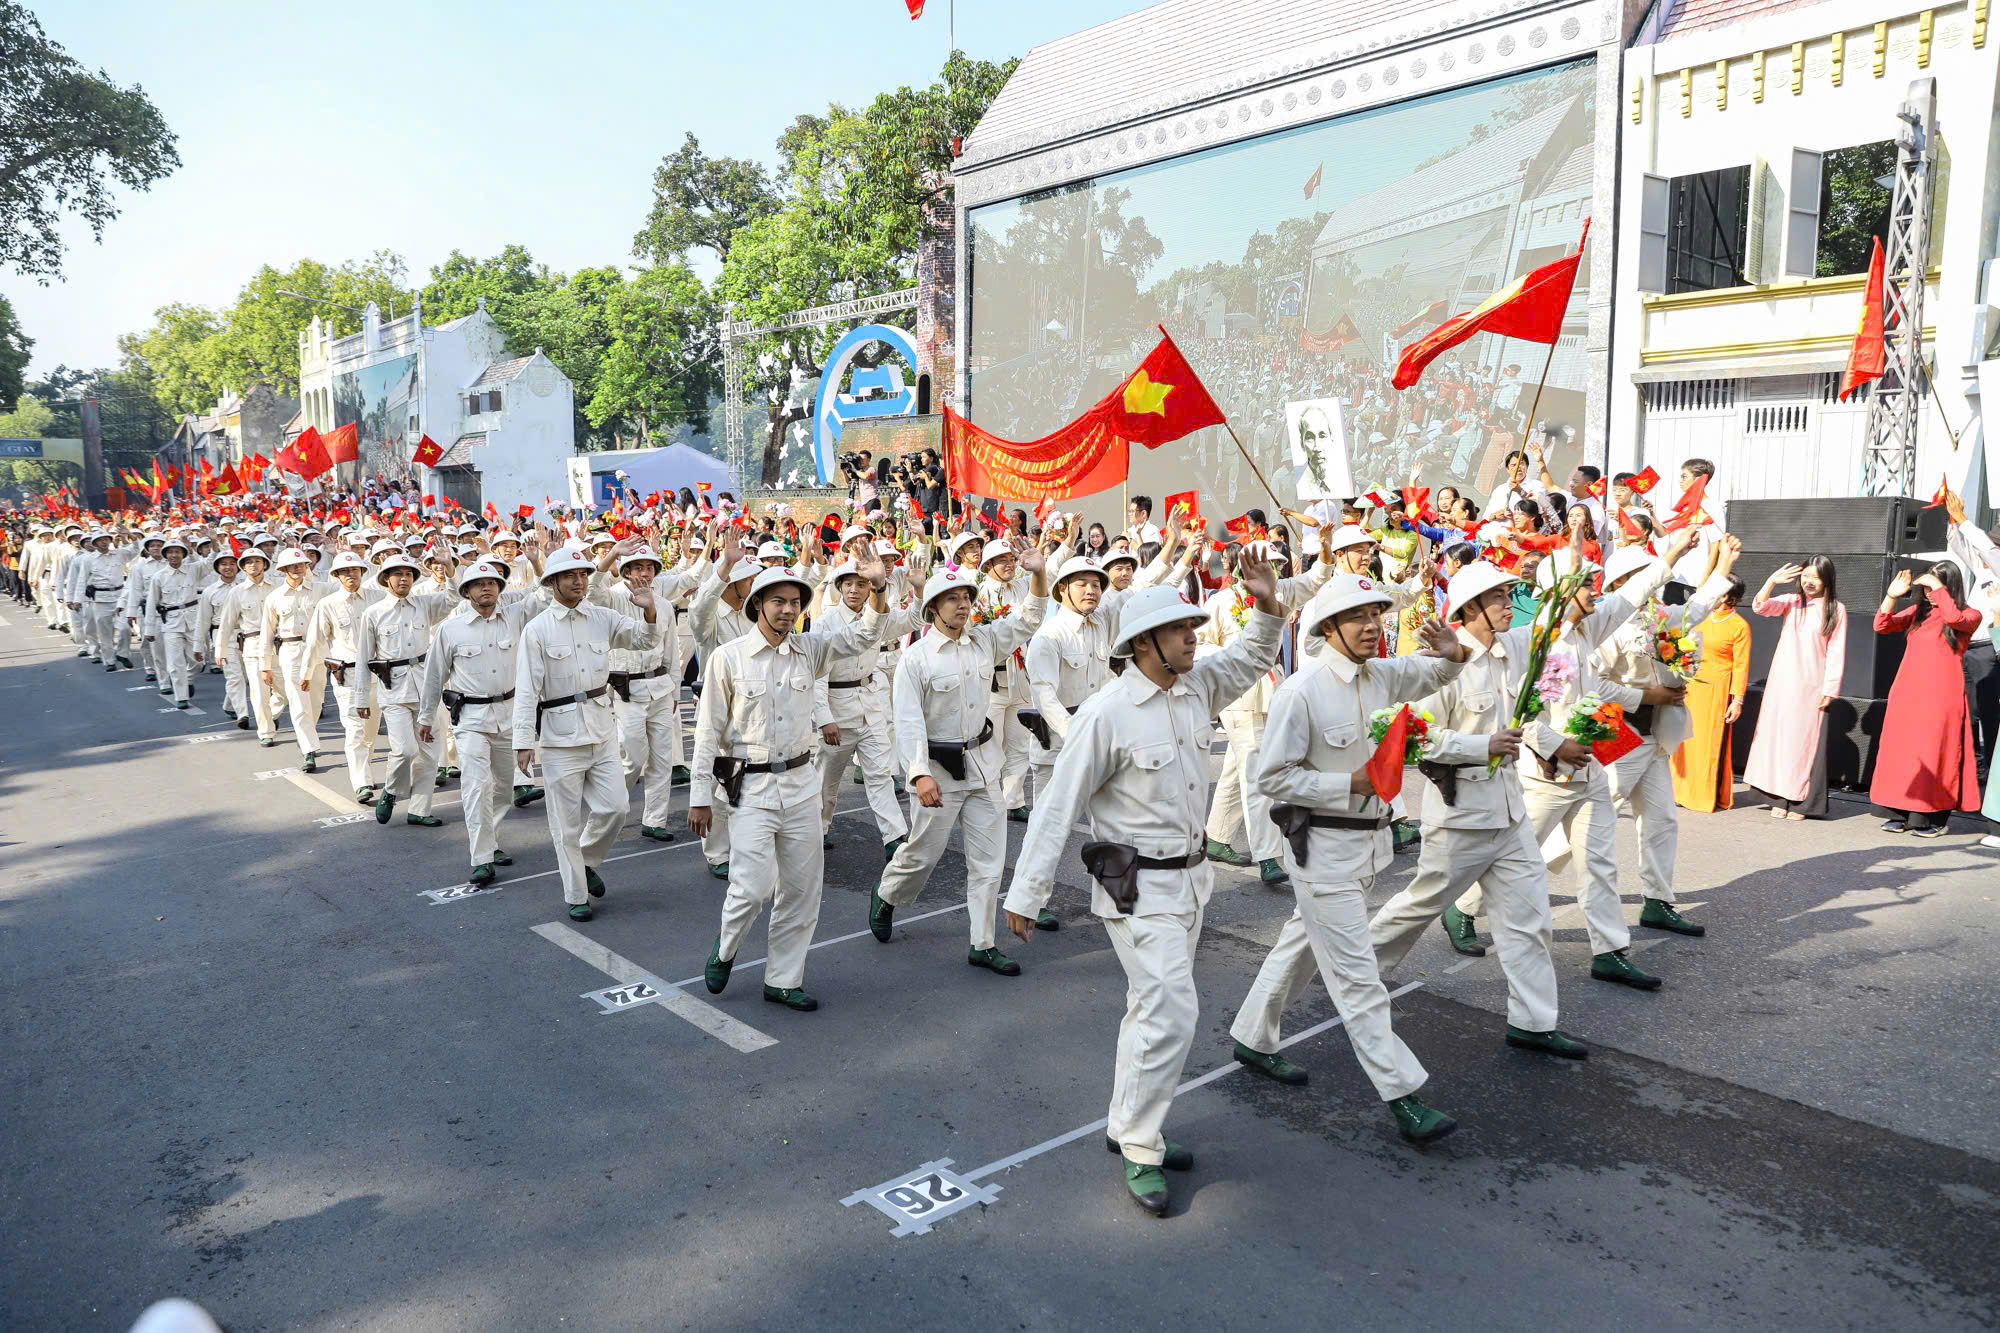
(460, 453)
(1572, 174)
(1166, 56)
(499, 373)
(1685, 16)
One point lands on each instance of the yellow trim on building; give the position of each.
(1767, 348)
(1836, 285)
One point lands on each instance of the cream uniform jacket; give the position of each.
(1069, 658)
(1627, 657)
(1012, 675)
(392, 630)
(869, 701)
(330, 632)
(616, 594)
(288, 614)
(243, 614)
(478, 655)
(175, 600)
(757, 704)
(714, 621)
(1137, 760)
(1316, 739)
(566, 651)
(944, 692)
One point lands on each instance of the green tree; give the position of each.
(14, 348)
(259, 341)
(66, 136)
(700, 203)
(459, 283)
(659, 368)
(1853, 206)
(178, 357)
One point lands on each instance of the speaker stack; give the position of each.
(1869, 539)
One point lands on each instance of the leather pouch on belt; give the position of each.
(1114, 865)
(1295, 822)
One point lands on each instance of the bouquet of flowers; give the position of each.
(1239, 611)
(985, 613)
(1602, 727)
(1678, 650)
(1529, 703)
(1418, 741)
(1558, 674)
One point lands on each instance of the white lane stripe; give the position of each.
(731, 1032)
(317, 792)
(1048, 1145)
(839, 939)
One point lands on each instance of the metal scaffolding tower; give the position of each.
(1893, 406)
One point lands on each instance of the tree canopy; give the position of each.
(67, 137)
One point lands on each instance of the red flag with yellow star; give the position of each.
(1158, 403)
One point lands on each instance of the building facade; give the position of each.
(506, 423)
(1758, 149)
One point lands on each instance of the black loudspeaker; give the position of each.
(1869, 538)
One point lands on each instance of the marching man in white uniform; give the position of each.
(330, 648)
(1136, 761)
(716, 616)
(391, 642)
(173, 608)
(1316, 749)
(240, 631)
(1003, 584)
(288, 663)
(648, 684)
(212, 646)
(755, 742)
(949, 750)
(1475, 819)
(853, 708)
(470, 674)
(562, 707)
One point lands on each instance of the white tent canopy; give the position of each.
(646, 471)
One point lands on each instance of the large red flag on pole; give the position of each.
(1869, 356)
(304, 457)
(1529, 308)
(344, 445)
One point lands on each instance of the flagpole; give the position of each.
(1255, 471)
(1930, 382)
(1528, 422)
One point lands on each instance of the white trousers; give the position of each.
(1161, 1010)
(1576, 817)
(1507, 861)
(649, 732)
(96, 628)
(1643, 783)
(303, 701)
(872, 742)
(584, 788)
(1238, 803)
(778, 863)
(715, 847)
(177, 647)
(486, 788)
(265, 700)
(234, 696)
(984, 818)
(1328, 933)
(357, 733)
(1015, 763)
(412, 764)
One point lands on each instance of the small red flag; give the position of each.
(524, 511)
(1312, 181)
(916, 8)
(1611, 751)
(427, 452)
(703, 487)
(1686, 509)
(344, 445)
(1186, 503)
(491, 511)
(1943, 493)
(235, 545)
(1641, 482)
(1868, 358)
(1385, 768)
(1239, 527)
(1595, 490)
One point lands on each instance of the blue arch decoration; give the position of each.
(837, 403)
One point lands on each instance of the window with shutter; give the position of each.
(493, 401)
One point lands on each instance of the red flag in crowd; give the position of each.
(304, 457)
(344, 445)
(1187, 503)
(427, 452)
(1641, 482)
(1530, 308)
(1943, 493)
(1312, 181)
(1239, 527)
(1687, 509)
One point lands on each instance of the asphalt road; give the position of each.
(248, 1061)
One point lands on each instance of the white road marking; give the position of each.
(1048, 1145)
(191, 709)
(317, 792)
(197, 740)
(840, 939)
(732, 1032)
(134, 689)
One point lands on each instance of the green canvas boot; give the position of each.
(1464, 936)
(715, 973)
(1273, 874)
(526, 796)
(1662, 916)
(1617, 967)
(993, 961)
(881, 916)
(1046, 920)
(1147, 1186)
(1548, 1043)
(1019, 814)
(1176, 1158)
(482, 875)
(579, 911)
(1408, 837)
(793, 998)
(364, 796)
(1223, 852)
(682, 777)
(656, 834)
(593, 883)
(423, 821)
(719, 870)
(311, 765)
(500, 858)
(384, 808)
(1419, 1123)
(889, 848)
(1270, 1066)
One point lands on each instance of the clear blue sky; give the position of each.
(332, 131)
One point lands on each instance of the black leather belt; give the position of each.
(456, 703)
(382, 669)
(730, 771)
(781, 765)
(1297, 823)
(178, 606)
(338, 670)
(1188, 862)
(564, 702)
(848, 684)
(621, 681)
(1641, 719)
(281, 642)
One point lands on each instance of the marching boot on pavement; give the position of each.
(754, 739)
(852, 706)
(391, 643)
(949, 749)
(648, 684)
(240, 630)
(286, 626)
(1475, 820)
(470, 674)
(1563, 784)
(1315, 752)
(1136, 762)
(330, 647)
(1238, 804)
(1643, 781)
(562, 707)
